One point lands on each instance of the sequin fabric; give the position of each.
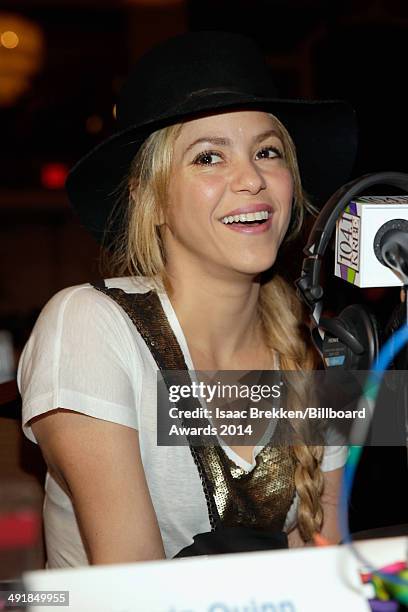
(259, 498)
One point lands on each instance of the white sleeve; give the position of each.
(335, 450)
(81, 356)
(334, 457)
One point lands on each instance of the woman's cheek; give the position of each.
(208, 190)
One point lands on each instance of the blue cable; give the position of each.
(390, 349)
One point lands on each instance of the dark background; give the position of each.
(71, 59)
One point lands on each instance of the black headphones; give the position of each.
(350, 340)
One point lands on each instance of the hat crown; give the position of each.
(191, 67)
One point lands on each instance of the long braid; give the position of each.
(280, 313)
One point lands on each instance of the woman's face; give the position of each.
(230, 195)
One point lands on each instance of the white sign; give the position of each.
(301, 580)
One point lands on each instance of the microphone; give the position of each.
(372, 242)
(391, 247)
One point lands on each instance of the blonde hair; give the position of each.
(139, 251)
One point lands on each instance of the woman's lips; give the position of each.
(250, 208)
(245, 228)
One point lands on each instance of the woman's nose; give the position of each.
(246, 176)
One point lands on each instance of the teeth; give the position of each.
(257, 216)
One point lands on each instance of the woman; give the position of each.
(193, 196)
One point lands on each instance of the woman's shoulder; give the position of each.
(80, 320)
(83, 354)
(85, 299)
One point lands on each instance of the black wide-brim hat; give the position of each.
(206, 72)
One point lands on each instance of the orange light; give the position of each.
(9, 39)
(22, 50)
(53, 175)
(114, 111)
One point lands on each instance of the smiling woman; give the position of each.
(193, 197)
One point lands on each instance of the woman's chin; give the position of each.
(255, 268)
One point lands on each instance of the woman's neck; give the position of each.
(219, 319)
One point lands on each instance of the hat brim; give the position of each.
(324, 133)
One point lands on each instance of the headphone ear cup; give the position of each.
(363, 325)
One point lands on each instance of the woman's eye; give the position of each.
(207, 158)
(269, 153)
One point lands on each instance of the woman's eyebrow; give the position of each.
(265, 135)
(221, 141)
(215, 140)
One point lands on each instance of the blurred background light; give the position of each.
(94, 124)
(21, 55)
(9, 39)
(53, 175)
